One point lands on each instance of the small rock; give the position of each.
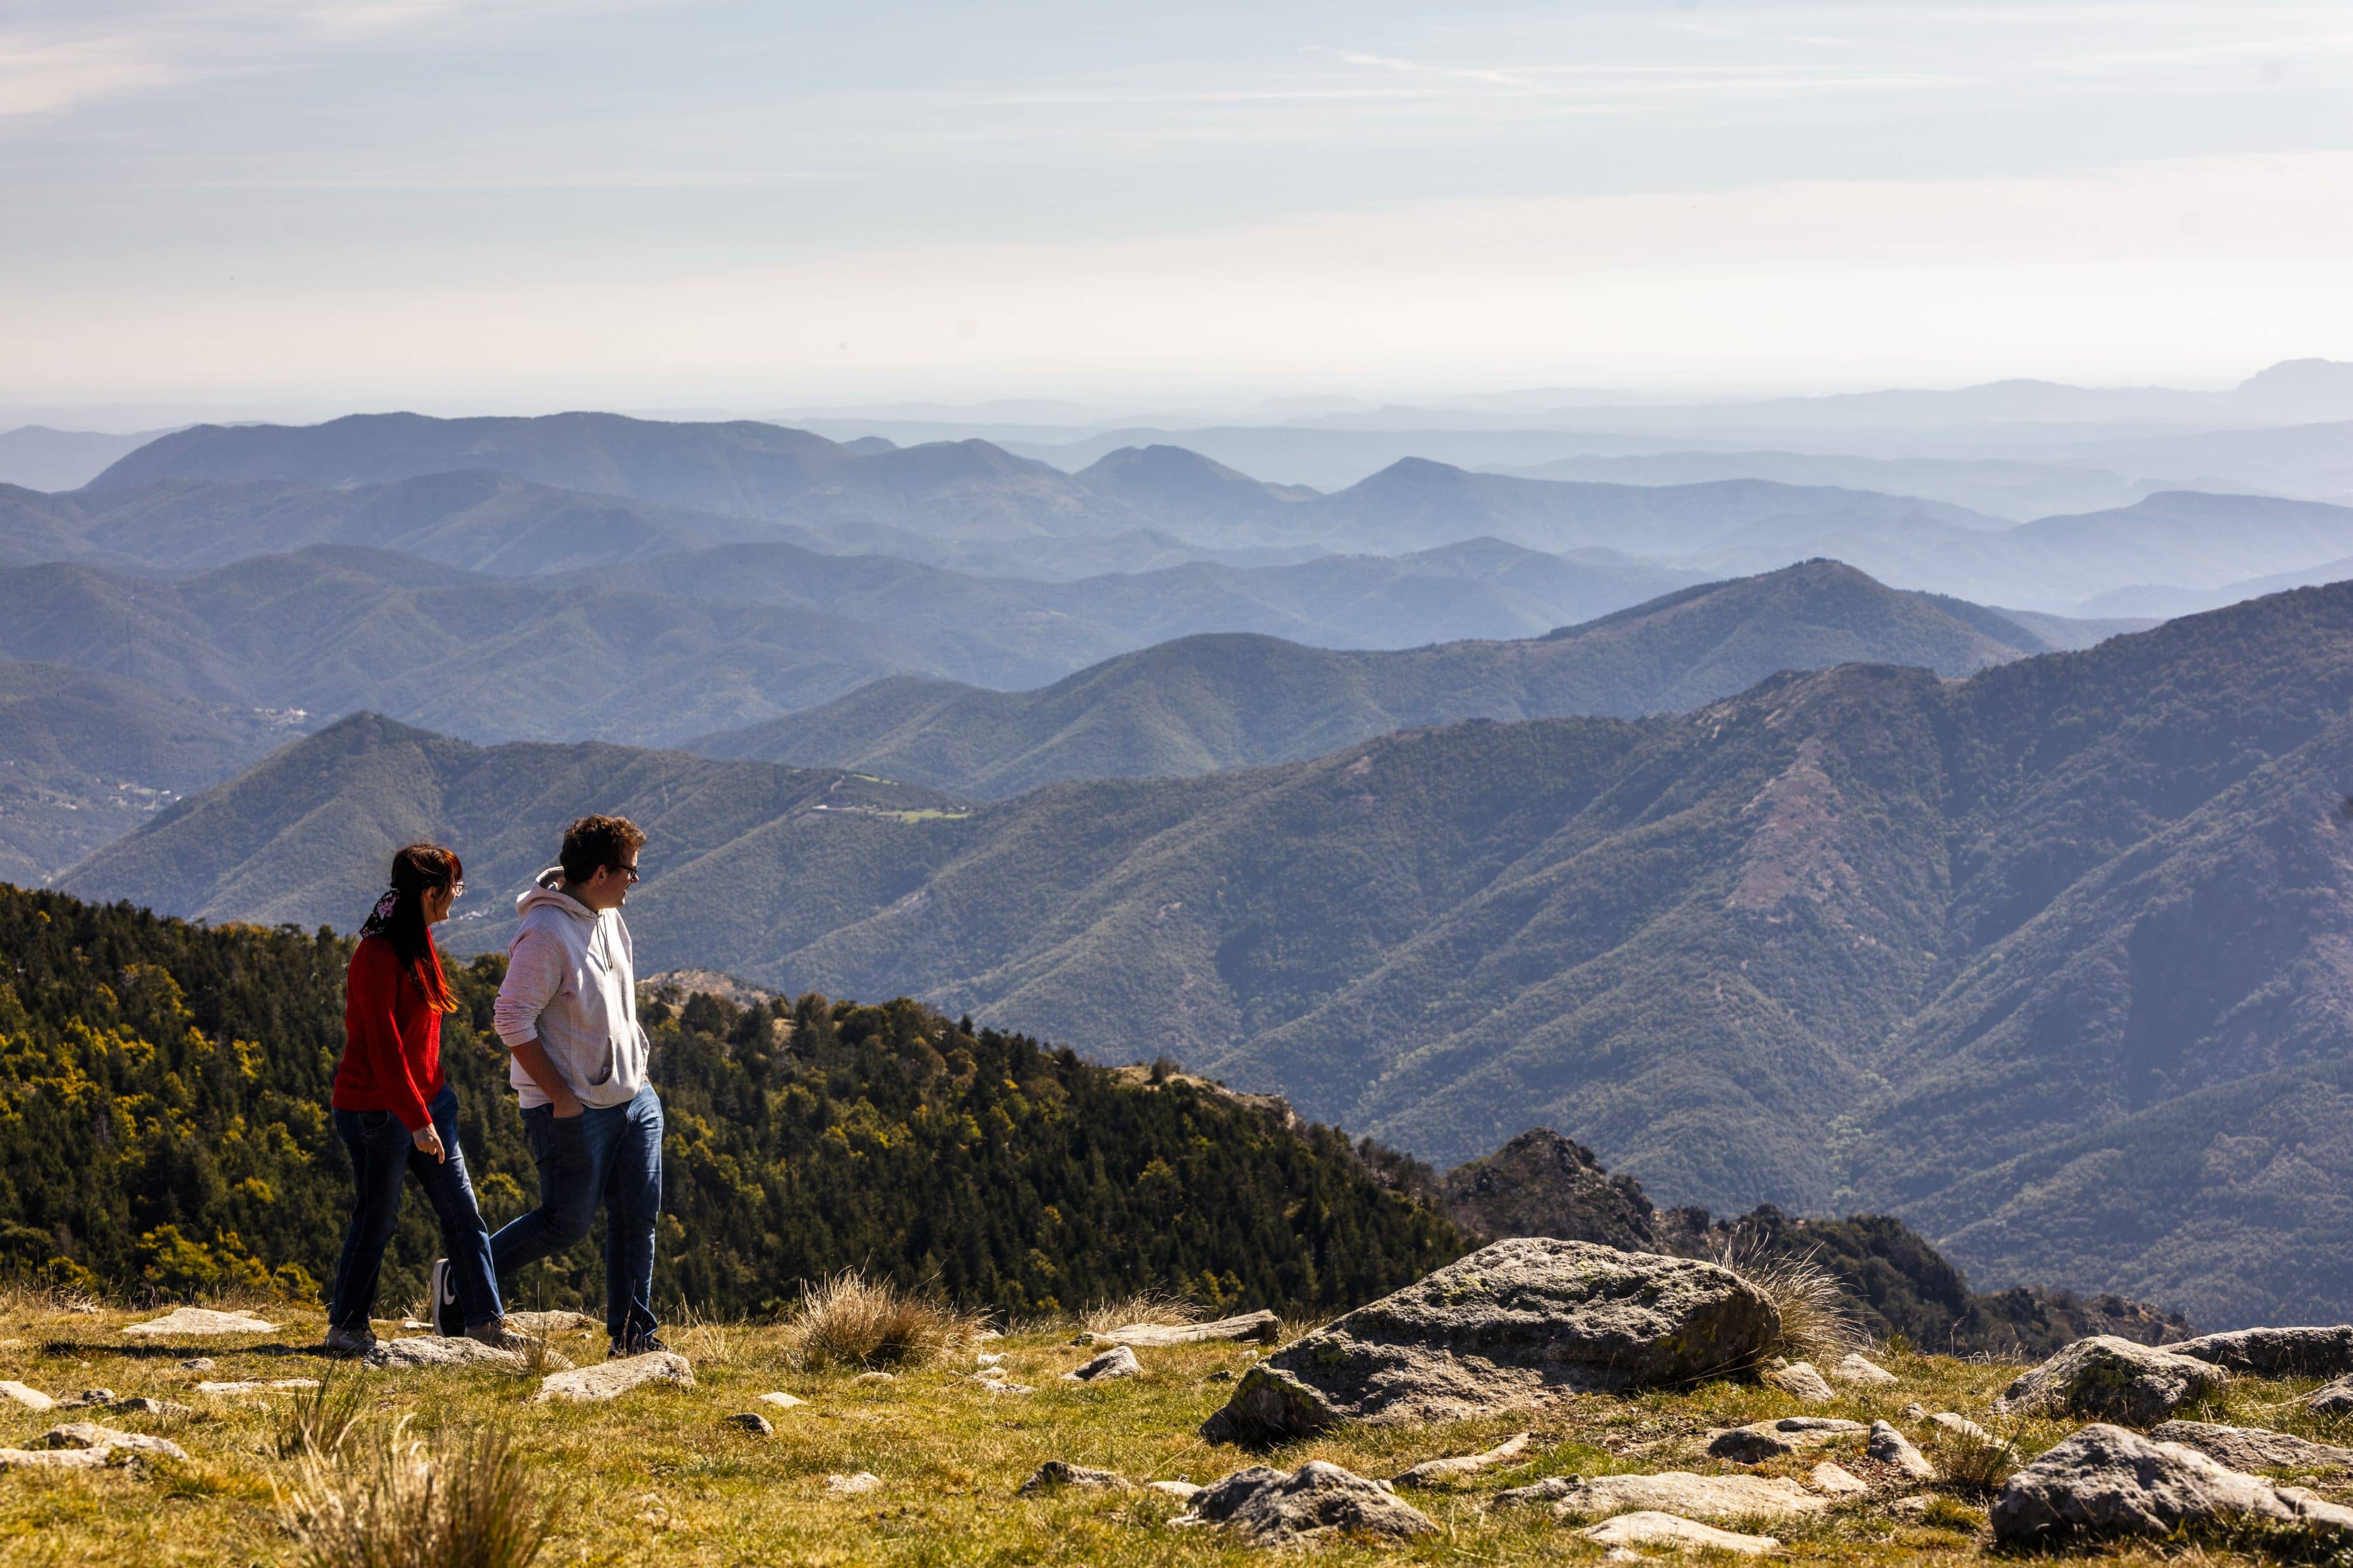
(1762, 1440)
(1680, 1491)
(2107, 1482)
(431, 1349)
(1890, 1446)
(88, 1399)
(1431, 1471)
(83, 1309)
(754, 1423)
(198, 1364)
(272, 1385)
(54, 1458)
(1915, 1503)
(1268, 1506)
(2111, 1379)
(1223, 1374)
(1117, 1361)
(89, 1434)
(1002, 1385)
(1184, 1490)
(852, 1485)
(1552, 1488)
(1249, 1326)
(2276, 1352)
(199, 1321)
(2254, 1448)
(780, 1400)
(1960, 1428)
(990, 1358)
(24, 1394)
(1839, 1481)
(143, 1406)
(1800, 1378)
(2332, 1399)
(542, 1324)
(611, 1379)
(1855, 1368)
(1650, 1528)
(876, 1377)
(1062, 1473)
(1915, 1411)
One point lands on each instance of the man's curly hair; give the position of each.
(594, 841)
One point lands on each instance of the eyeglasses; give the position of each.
(628, 871)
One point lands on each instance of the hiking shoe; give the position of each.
(499, 1337)
(348, 1342)
(447, 1321)
(644, 1344)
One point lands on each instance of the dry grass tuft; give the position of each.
(1816, 1323)
(402, 1505)
(849, 1320)
(1977, 1467)
(1149, 1307)
(317, 1422)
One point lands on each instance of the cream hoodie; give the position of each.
(572, 982)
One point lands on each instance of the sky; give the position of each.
(249, 208)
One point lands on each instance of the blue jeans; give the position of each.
(610, 1155)
(381, 1151)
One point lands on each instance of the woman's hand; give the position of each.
(428, 1139)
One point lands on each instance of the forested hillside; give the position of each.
(2049, 960)
(163, 1125)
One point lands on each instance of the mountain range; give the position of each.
(1200, 704)
(2049, 960)
(975, 505)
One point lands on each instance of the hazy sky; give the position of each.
(453, 204)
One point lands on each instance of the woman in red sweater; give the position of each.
(396, 1113)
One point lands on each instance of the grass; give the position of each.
(660, 1478)
(863, 1325)
(1816, 1325)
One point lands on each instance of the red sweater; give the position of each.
(392, 1038)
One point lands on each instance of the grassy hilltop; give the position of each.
(659, 1477)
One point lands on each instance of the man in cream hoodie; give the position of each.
(568, 1014)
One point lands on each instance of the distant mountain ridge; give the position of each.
(1205, 704)
(2056, 951)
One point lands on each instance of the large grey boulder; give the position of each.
(1261, 1325)
(2254, 1448)
(190, 1320)
(2276, 1352)
(1267, 1507)
(2110, 1379)
(2107, 1482)
(1507, 1328)
(432, 1349)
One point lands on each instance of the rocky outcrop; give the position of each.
(1541, 1184)
(2109, 1378)
(24, 1395)
(2107, 1482)
(2332, 1398)
(2276, 1352)
(1268, 1506)
(1681, 1492)
(2254, 1448)
(1507, 1328)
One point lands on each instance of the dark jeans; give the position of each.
(609, 1154)
(380, 1151)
